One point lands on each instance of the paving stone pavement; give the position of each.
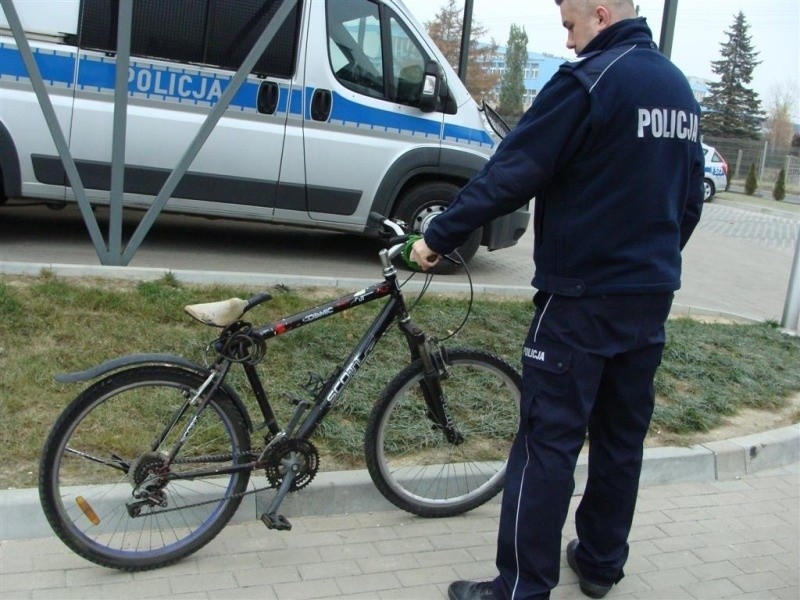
(772, 230)
(731, 539)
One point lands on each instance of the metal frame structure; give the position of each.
(111, 252)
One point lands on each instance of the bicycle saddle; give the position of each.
(219, 314)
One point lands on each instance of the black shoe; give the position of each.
(589, 588)
(470, 590)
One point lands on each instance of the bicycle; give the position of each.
(149, 463)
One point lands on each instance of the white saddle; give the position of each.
(218, 314)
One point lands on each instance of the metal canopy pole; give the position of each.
(55, 128)
(117, 190)
(668, 27)
(466, 34)
(205, 130)
(791, 309)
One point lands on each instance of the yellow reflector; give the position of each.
(87, 510)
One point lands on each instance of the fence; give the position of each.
(768, 159)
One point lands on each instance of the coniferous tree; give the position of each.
(512, 86)
(446, 29)
(733, 109)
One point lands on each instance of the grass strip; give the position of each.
(51, 325)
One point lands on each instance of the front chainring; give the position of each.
(286, 452)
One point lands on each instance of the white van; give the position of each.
(331, 124)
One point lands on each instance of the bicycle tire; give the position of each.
(117, 421)
(410, 460)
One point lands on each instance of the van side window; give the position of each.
(371, 51)
(354, 46)
(219, 33)
(408, 64)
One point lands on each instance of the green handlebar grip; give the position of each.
(407, 252)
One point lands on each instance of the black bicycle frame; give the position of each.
(394, 310)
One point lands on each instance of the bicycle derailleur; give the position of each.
(148, 477)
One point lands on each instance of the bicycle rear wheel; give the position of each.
(408, 456)
(103, 452)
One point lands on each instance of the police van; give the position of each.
(350, 109)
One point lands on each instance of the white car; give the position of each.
(716, 173)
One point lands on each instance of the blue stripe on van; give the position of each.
(55, 68)
(462, 134)
(348, 112)
(96, 73)
(296, 104)
(283, 99)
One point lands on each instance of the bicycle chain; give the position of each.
(231, 497)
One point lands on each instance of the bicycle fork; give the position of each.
(434, 362)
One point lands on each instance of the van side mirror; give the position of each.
(432, 85)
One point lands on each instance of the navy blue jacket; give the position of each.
(611, 151)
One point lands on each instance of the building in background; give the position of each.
(538, 71)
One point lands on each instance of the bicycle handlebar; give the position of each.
(397, 243)
(393, 243)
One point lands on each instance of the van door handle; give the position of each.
(268, 95)
(321, 105)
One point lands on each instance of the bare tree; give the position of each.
(445, 29)
(779, 127)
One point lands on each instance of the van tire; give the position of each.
(708, 190)
(419, 205)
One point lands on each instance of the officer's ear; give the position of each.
(602, 16)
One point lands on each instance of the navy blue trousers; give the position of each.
(588, 364)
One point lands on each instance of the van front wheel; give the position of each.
(423, 203)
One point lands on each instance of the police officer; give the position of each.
(611, 151)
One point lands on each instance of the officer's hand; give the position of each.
(424, 256)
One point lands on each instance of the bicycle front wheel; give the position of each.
(408, 455)
(107, 487)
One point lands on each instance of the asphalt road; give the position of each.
(738, 261)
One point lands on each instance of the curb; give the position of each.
(344, 492)
(241, 278)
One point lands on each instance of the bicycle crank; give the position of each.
(298, 456)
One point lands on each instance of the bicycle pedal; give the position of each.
(278, 522)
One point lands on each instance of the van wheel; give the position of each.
(421, 204)
(708, 190)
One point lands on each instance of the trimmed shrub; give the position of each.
(751, 185)
(779, 191)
